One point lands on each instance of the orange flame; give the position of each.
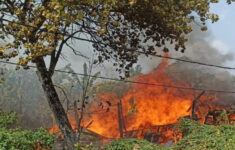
(147, 107)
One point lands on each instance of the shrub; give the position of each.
(132, 144)
(196, 136)
(206, 137)
(17, 139)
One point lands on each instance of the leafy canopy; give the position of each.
(119, 29)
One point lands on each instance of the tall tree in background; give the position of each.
(119, 30)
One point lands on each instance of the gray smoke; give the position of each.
(199, 48)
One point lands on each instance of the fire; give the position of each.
(146, 106)
(147, 111)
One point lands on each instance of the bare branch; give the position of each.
(76, 52)
(66, 97)
(85, 89)
(54, 59)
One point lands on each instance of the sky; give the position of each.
(223, 30)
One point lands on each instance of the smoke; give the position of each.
(201, 47)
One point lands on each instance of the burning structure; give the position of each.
(151, 108)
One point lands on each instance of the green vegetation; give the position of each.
(206, 137)
(17, 139)
(196, 136)
(132, 144)
(79, 146)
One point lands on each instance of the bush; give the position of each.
(17, 139)
(206, 137)
(80, 146)
(7, 120)
(196, 137)
(132, 144)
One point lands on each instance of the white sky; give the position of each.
(224, 29)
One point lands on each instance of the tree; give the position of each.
(83, 88)
(119, 29)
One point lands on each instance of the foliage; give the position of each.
(196, 136)
(7, 119)
(117, 29)
(132, 144)
(24, 140)
(79, 146)
(17, 139)
(206, 137)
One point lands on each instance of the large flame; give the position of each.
(147, 108)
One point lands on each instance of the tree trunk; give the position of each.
(120, 122)
(194, 115)
(55, 104)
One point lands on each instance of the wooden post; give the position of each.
(194, 116)
(123, 120)
(76, 114)
(120, 120)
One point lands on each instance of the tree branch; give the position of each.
(76, 52)
(84, 95)
(54, 59)
(66, 97)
